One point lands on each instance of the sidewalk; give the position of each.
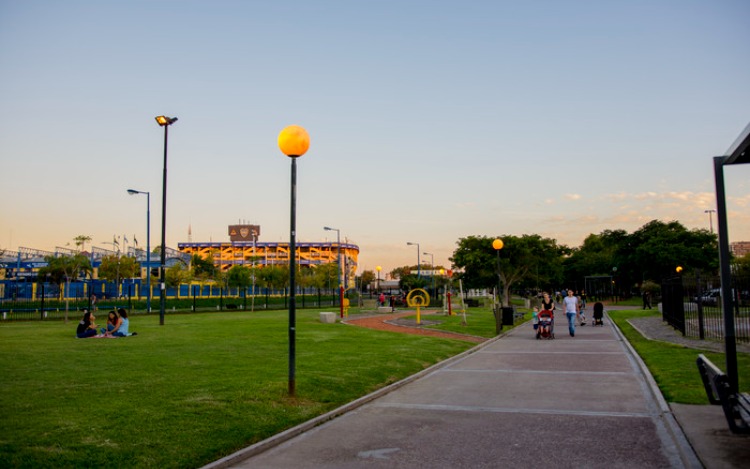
(512, 402)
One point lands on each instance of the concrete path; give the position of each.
(512, 402)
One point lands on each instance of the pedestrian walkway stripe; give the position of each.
(545, 352)
(538, 372)
(509, 410)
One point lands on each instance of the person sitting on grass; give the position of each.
(87, 327)
(121, 330)
(113, 321)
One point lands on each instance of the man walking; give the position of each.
(571, 311)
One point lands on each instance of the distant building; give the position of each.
(740, 248)
(245, 249)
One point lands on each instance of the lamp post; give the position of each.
(148, 243)
(293, 142)
(432, 266)
(710, 219)
(165, 122)
(419, 262)
(377, 287)
(338, 264)
(497, 245)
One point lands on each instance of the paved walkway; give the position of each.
(655, 328)
(510, 402)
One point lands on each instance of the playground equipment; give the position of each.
(417, 298)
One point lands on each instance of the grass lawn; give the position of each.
(187, 393)
(673, 366)
(479, 321)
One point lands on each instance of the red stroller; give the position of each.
(546, 329)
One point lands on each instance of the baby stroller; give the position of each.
(598, 314)
(546, 329)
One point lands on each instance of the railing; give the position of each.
(25, 301)
(692, 304)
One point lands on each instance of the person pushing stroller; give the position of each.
(546, 326)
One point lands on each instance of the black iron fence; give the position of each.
(24, 301)
(692, 304)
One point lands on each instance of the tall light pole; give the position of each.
(710, 219)
(148, 243)
(378, 268)
(419, 262)
(338, 263)
(497, 245)
(293, 142)
(165, 122)
(432, 266)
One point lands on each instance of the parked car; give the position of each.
(713, 297)
(710, 297)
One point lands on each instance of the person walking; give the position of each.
(646, 299)
(571, 311)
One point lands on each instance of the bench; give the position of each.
(736, 405)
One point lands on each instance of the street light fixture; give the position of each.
(710, 219)
(165, 122)
(497, 245)
(293, 142)
(378, 268)
(148, 243)
(338, 263)
(432, 266)
(419, 262)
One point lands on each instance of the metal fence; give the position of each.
(692, 304)
(24, 301)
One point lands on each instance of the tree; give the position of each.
(203, 269)
(239, 277)
(657, 248)
(326, 276)
(114, 268)
(517, 261)
(275, 276)
(176, 275)
(411, 281)
(367, 277)
(81, 241)
(65, 269)
(598, 254)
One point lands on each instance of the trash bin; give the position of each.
(508, 316)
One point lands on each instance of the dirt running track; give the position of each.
(384, 322)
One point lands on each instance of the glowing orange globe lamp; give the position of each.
(497, 244)
(294, 141)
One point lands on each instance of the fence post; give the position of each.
(41, 312)
(699, 298)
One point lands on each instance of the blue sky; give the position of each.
(429, 120)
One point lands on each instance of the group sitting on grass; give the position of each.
(117, 325)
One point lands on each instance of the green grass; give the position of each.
(673, 366)
(479, 322)
(184, 394)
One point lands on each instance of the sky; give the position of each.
(429, 120)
